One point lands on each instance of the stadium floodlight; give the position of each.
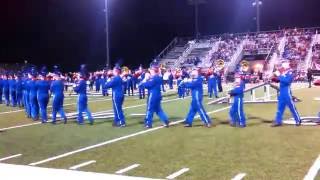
(106, 10)
(257, 4)
(196, 4)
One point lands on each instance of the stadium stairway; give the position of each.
(236, 57)
(192, 45)
(304, 66)
(275, 57)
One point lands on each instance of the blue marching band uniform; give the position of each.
(31, 90)
(154, 84)
(236, 112)
(116, 84)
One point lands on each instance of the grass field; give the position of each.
(221, 152)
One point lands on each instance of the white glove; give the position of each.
(74, 85)
(109, 79)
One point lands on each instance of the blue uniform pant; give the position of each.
(154, 106)
(236, 112)
(181, 92)
(13, 98)
(26, 103)
(6, 96)
(212, 88)
(162, 87)
(170, 82)
(130, 88)
(282, 103)
(57, 107)
(118, 112)
(97, 87)
(1, 90)
(43, 100)
(83, 108)
(19, 99)
(34, 107)
(197, 107)
(142, 93)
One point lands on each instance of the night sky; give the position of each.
(70, 32)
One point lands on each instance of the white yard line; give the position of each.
(114, 140)
(98, 100)
(121, 171)
(239, 176)
(313, 171)
(10, 157)
(129, 107)
(15, 127)
(178, 173)
(82, 165)
(10, 171)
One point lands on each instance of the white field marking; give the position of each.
(129, 107)
(82, 165)
(137, 114)
(121, 171)
(313, 171)
(10, 157)
(25, 125)
(239, 176)
(10, 171)
(178, 173)
(114, 140)
(317, 98)
(98, 100)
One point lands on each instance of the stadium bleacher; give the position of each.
(290, 44)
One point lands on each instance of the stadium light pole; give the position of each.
(196, 4)
(106, 10)
(257, 4)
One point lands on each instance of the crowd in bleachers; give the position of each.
(316, 57)
(264, 41)
(227, 47)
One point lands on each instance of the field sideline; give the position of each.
(222, 152)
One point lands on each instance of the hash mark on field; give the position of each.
(239, 176)
(178, 173)
(313, 171)
(114, 140)
(10, 157)
(82, 165)
(137, 114)
(121, 171)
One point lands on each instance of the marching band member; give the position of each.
(153, 84)
(212, 84)
(56, 89)
(236, 112)
(285, 76)
(12, 89)
(1, 87)
(117, 96)
(81, 89)
(196, 86)
(26, 92)
(43, 88)
(19, 89)
(170, 79)
(34, 106)
(141, 77)
(6, 92)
